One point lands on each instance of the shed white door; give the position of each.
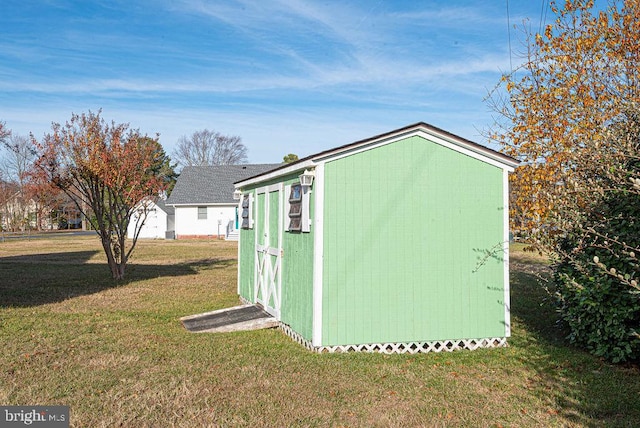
(269, 226)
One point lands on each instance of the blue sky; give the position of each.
(288, 76)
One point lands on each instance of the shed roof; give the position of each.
(212, 184)
(459, 143)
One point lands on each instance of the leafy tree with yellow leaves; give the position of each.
(570, 113)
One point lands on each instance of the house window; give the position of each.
(202, 213)
(295, 208)
(246, 212)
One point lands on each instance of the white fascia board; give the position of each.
(480, 152)
(459, 146)
(475, 151)
(469, 152)
(276, 174)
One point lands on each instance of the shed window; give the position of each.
(247, 221)
(295, 208)
(202, 213)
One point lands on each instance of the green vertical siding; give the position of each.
(246, 262)
(297, 277)
(258, 224)
(406, 227)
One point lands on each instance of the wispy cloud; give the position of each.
(358, 52)
(304, 44)
(253, 68)
(367, 70)
(443, 15)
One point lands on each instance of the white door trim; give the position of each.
(268, 258)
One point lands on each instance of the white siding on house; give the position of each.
(154, 227)
(218, 217)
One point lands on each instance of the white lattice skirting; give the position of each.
(401, 348)
(396, 348)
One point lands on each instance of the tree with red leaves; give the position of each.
(106, 169)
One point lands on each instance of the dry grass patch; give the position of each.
(118, 356)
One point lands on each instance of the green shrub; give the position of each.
(595, 275)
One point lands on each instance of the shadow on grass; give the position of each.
(584, 389)
(38, 279)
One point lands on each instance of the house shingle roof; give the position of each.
(163, 206)
(212, 184)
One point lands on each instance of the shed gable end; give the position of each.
(406, 225)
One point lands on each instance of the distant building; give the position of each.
(159, 222)
(203, 200)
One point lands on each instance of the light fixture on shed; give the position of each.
(237, 194)
(306, 178)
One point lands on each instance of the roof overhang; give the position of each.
(422, 129)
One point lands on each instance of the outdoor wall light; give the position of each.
(237, 194)
(306, 178)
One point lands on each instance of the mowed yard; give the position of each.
(118, 356)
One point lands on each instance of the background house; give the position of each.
(396, 243)
(159, 222)
(21, 213)
(203, 199)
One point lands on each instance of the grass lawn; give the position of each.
(117, 355)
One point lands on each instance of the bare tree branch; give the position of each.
(207, 147)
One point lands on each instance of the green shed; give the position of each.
(396, 243)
